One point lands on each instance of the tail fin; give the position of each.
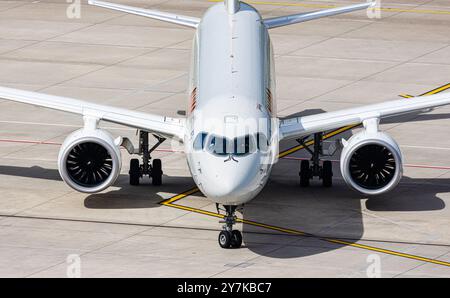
(232, 6)
(154, 14)
(303, 17)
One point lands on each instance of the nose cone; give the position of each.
(231, 182)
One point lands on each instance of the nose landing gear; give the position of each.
(229, 238)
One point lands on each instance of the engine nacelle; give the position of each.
(371, 162)
(89, 160)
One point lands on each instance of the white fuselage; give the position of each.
(232, 133)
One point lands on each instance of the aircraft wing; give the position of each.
(302, 126)
(153, 14)
(308, 16)
(160, 125)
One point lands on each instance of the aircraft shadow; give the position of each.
(325, 212)
(132, 197)
(126, 197)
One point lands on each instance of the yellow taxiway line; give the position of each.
(170, 202)
(326, 6)
(431, 92)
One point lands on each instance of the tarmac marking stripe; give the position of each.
(296, 232)
(311, 5)
(437, 90)
(179, 196)
(388, 251)
(431, 92)
(195, 210)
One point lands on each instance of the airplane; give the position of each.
(230, 131)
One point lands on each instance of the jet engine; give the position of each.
(371, 162)
(89, 160)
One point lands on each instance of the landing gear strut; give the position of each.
(229, 238)
(137, 170)
(324, 171)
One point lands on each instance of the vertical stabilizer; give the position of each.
(232, 6)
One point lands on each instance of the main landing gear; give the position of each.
(229, 238)
(324, 171)
(138, 170)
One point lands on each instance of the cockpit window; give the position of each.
(199, 142)
(222, 146)
(243, 145)
(261, 142)
(239, 146)
(218, 145)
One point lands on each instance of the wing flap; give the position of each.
(300, 126)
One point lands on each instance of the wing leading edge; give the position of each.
(308, 16)
(160, 125)
(301, 126)
(153, 14)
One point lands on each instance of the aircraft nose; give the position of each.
(226, 187)
(232, 182)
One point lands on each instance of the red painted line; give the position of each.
(28, 142)
(174, 151)
(404, 165)
(427, 167)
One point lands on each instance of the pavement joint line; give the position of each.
(170, 202)
(326, 6)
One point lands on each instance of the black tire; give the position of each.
(135, 171)
(304, 173)
(327, 174)
(157, 172)
(225, 239)
(236, 239)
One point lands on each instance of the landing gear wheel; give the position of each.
(327, 174)
(135, 171)
(236, 239)
(304, 173)
(157, 172)
(225, 239)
